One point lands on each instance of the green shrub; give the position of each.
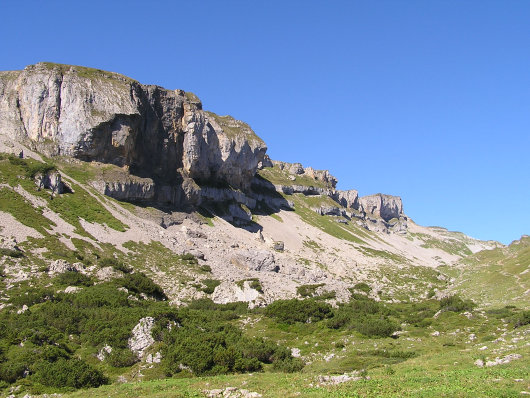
(12, 371)
(73, 373)
(456, 304)
(140, 283)
(73, 278)
(291, 311)
(189, 258)
(205, 268)
(521, 319)
(254, 283)
(289, 366)
(11, 253)
(39, 168)
(308, 290)
(363, 287)
(327, 295)
(16, 161)
(376, 327)
(210, 285)
(115, 264)
(121, 358)
(30, 295)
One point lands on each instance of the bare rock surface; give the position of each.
(102, 116)
(256, 260)
(141, 338)
(384, 206)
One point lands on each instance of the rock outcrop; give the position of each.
(141, 338)
(386, 207)
(297, 169)
(348, 199)
(100, 116)
(168, 149)
(50, 180)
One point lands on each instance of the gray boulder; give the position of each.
(255, 260)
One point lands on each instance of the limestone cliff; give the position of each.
(160, 134)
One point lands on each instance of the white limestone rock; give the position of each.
(141, 338)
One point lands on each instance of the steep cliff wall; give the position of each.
(101, 116)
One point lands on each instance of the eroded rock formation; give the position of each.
(100, 116)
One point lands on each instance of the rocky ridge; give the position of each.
(279, 223)
(170, 150)
(161, 134)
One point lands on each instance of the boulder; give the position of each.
(141, 338)
(255, 260)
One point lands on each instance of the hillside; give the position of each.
(137, 228)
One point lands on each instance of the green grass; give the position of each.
(15, 204)
(407, 381)
(504, 268)
(88, 73)
(451, 245)
(281, 177)
(70, 206)
(81, 204)
(234, 128)
(327, 224)
(395, 258)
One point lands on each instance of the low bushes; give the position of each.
(115, 264)
(11, 253)
(291, 311)
(210, 285)
(521, 319)
(206, 344)
(69, 373)
(456, 304)
(365, 316)
(139, 283)
(308, 290)
(72, 278)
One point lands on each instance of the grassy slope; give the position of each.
(442, 366)
(496, 277)
(281, 177)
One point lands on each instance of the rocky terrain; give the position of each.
(103, 178)
(281, 223)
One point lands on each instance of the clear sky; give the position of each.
(428, 100)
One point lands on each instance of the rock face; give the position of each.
(100, 116)
(297, 169)
(348, 199)
(50, 180)
(141, 338)
(386, 207)
(132, 189)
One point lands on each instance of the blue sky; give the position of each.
(428, 100)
